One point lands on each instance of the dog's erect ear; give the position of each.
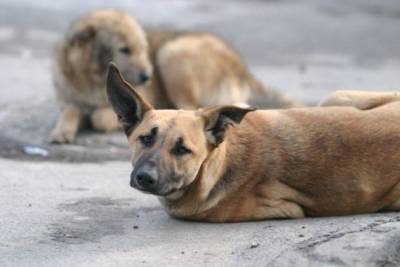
(128, 105)
(218, 119)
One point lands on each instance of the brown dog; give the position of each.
(272, 164)
(188, 70)
(359, 99)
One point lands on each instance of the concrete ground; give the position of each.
(72, 206)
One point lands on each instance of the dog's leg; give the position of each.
(360, 99)
(279, 209)
(67, 126)
(105, 119)
(270, 209)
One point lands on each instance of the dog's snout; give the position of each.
(143, 77)
(146, 180)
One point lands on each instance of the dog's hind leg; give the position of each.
(279, 209)
(67, 126)
(360, 99)
(105, 119)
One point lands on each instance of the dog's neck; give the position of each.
(208, 189)
(200, 195)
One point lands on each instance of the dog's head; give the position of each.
(169, 146)
(111, 35)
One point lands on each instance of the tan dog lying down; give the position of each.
(229, 164)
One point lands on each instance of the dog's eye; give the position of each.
(125, 50)
(147, 140)
(180, 150)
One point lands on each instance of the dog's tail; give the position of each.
(267, 98)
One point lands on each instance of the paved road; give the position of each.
(72, 206)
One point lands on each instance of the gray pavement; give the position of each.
(65, 214)
(72, 206)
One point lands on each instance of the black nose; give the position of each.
(145, 180)
(143, 77)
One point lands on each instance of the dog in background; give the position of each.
(321, 161)
(359, 99)
(170, 69)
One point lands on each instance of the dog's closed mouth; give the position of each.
(170, 192)
(166, 194)
(160, 194)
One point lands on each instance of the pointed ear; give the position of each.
(128, 105)
(218, 119)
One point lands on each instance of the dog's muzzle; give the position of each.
(143, 77)
(144, 180)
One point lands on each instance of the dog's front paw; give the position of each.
(62, 137)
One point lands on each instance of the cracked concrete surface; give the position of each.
(72, 205)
